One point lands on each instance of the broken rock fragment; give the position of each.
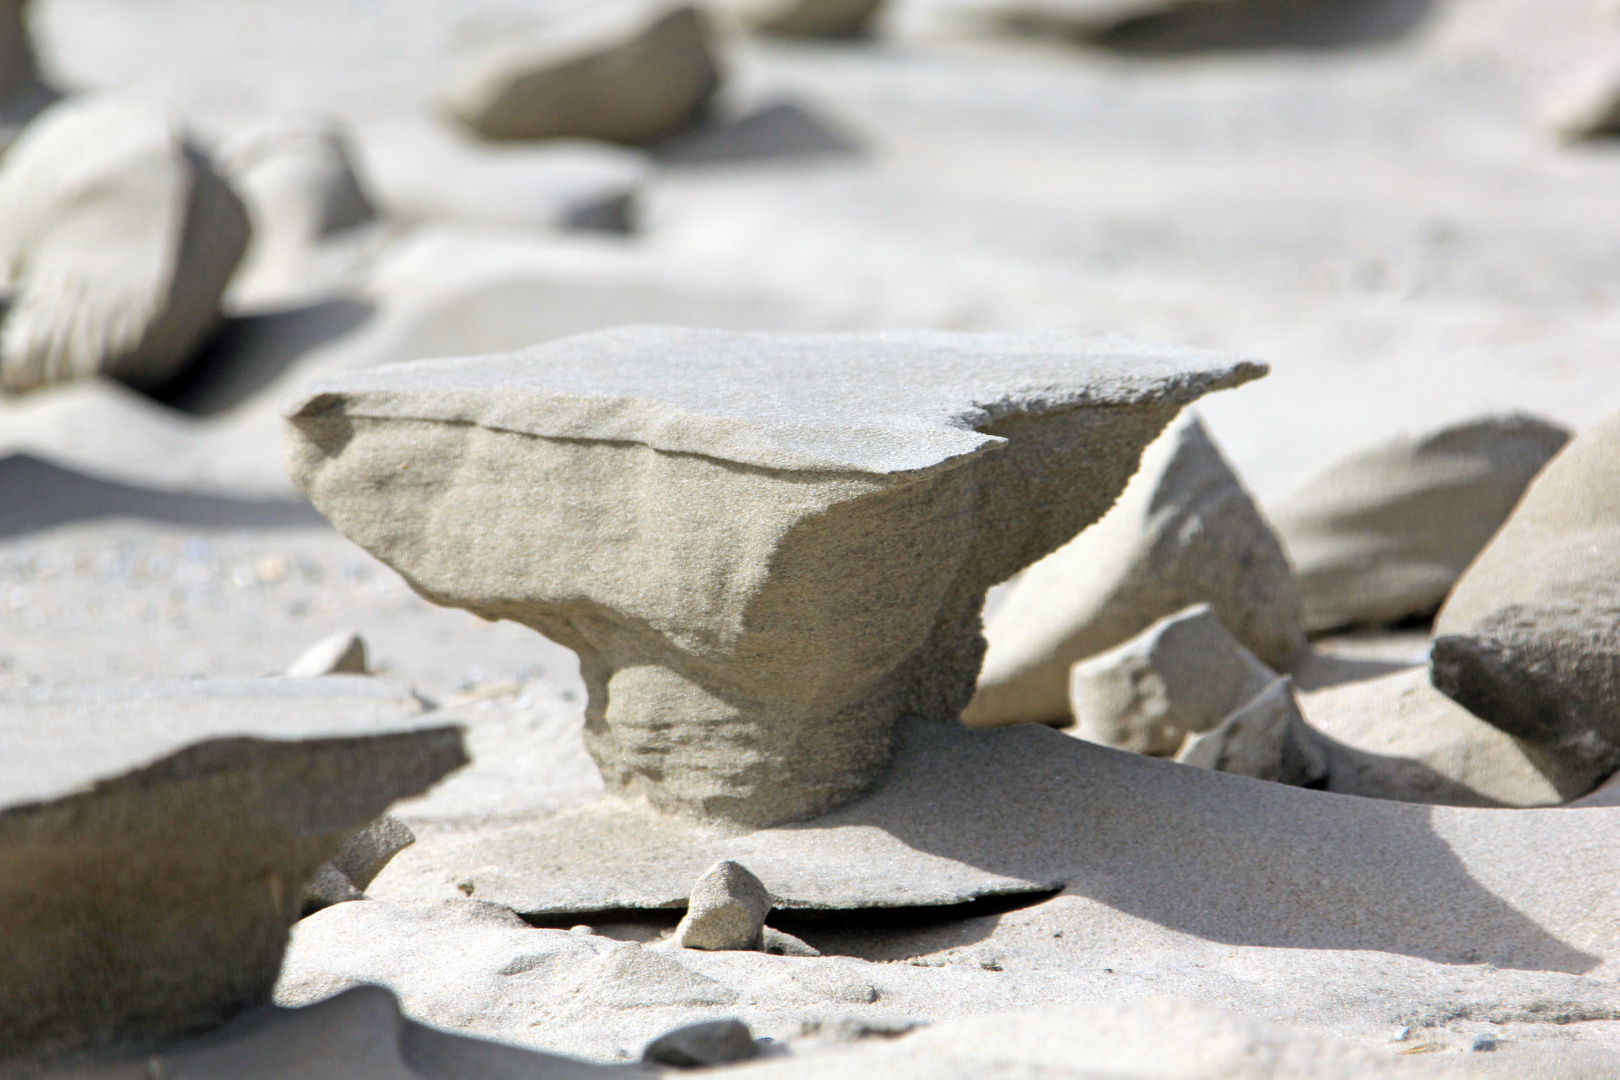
(1184, 532)
(1180, 676)
(117, 240)
(629, 73)
(1265, 739)
(1529, 640)
(1385, 533)
(152, 874)
(766, 549)
(342, 653)
(726, 910)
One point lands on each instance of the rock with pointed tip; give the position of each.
(1183, 532)
(1264, 739)
(342, 653)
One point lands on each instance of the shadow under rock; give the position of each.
(1236, 860)
(250, 352)
(1242, 25)
(37, 495)
(780, 131)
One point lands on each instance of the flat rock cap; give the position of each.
(62, 740)
(878, 402)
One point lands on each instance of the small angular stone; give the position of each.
(726, 910)
(342, 653)
(1266, 739)
(1182, 675)
(696, 1046)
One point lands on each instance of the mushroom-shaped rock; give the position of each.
(1184, 532)
(1385, 533)
(155, 840)
(726, 910)
(1181, 676)
(766, 549)
(1529, 640)
(628, 72)
(116, 242)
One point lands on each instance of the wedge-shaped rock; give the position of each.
(1529, 640)
(155, 840)
(629, 72)
(808, 18)
(1397, 737)
(116, 241)
(1180, 676)
(1265, 739)
(1184, 532)
(765, 548)
(1386, 532)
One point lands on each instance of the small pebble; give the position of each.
(1483, 1043)
(716, 1042)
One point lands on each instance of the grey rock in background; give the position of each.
(629, 72)
(816, 521)
(1184, 674)
(1184, 532)
(154, 871)
(117, 239)
(808, 18)
(1529, 640)
(1384, 533)
(726, 910)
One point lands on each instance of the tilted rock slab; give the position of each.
(766, 549)
(1184, 532)
(1529, 640)
(1385, 533)
(630, 73)
(155, 839)
(117, 240)
(1397, 737)
(1182, 675)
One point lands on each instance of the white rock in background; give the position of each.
(1184, 532)
(1182, 675)
(342, 653)
(726, 910)
(808, 18)
(1397, 737)
(1265, 739)
(308, 209)
(1586, 107)
(426, 171)
(1384, 533)
(630, 73)
(117, 240)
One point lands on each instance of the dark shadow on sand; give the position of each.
(780, 131)
(1200, 26)
(1222, 857)
(250, 352)
(37, 495)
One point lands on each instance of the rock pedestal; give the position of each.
(766, 549)
(155, 840)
